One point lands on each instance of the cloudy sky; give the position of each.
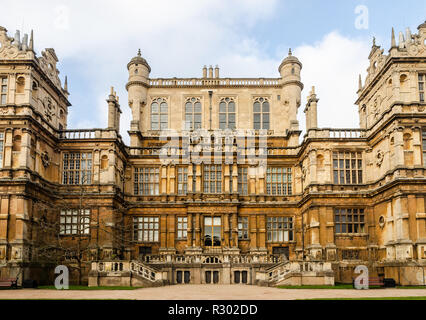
(94, 40)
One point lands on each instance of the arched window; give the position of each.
(193, 114)
(159, 114)
(20, 85)
(16, 143)
(227, 114)
(407, 141)
(261, 114)
(104, 162)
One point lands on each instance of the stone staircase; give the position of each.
(296, 273)
(125, 273)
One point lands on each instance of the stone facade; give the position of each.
(120, 214)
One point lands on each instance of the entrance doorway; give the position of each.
(183, 277)
(212, 276)
(240, 277)
(281, 251)
(212, 231)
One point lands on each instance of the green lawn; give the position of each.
(385, 298)
(71, 287)
(345, 286)
(337, 286)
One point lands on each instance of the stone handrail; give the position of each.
(210, 257)
(78, 134)
(330, 133)
(190, 82)
(135, 267)
(279, 272)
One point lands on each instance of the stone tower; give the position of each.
(289, 70)
(137, 88)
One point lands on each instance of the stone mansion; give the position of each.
(217, 184)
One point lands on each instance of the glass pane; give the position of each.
(256, 107)
(154, 107)
(222, 107)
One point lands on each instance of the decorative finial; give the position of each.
(66, 84)
(31, 47)
(139, 52)
(374, 41)
(393, 41)
(112, 91)
(289, 52)
(360, 82)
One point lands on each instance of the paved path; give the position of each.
(208, 292)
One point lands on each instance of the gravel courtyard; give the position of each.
(208, 292)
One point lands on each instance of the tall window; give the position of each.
(3, 90)
(242, 181)
(159, 114)
(424, 146)
(77, 168)
(279, 229)
(279, 181)
(347, 167)
(147, 181)
(227, 114)
(261, 114)
(145, 229)
(1, 148)
(243, 228)
(349, 220)
(193, 114)
(182, 227)
(182, 180)
(422, 82)
(212, 178)
(212, 231)
(74, 222)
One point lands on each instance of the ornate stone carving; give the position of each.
(45, 159)
(379, 158)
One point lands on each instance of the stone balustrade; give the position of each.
(206, 82)
(78, 134)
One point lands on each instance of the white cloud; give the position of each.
(332, 65)
(177, 38)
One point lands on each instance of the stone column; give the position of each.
(226, 176)
(253, 232)
(25, 149)
(399, 147)
(262, 231)
(197, 230)
(234, 178)
(190, 186)
(163, 231)
(189, 230)
(417, 146)
(172, 180)
(225, 218)
(234, 230)
(7, 151)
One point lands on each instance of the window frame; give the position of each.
(193, 113)
(140, 187)
(421, 86)
(342, 170)
(285, 183)
(346, 212)
(182, 173)
(159, 101)
(4, 86)
(141, 221)
(226, 113)
(208, 182)
(66, 171)
(79, 226)
(243, 228)
(181, 228)
(261, 113)
(243, 185)
(2, 139)
(270, 229)
(424, 146)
